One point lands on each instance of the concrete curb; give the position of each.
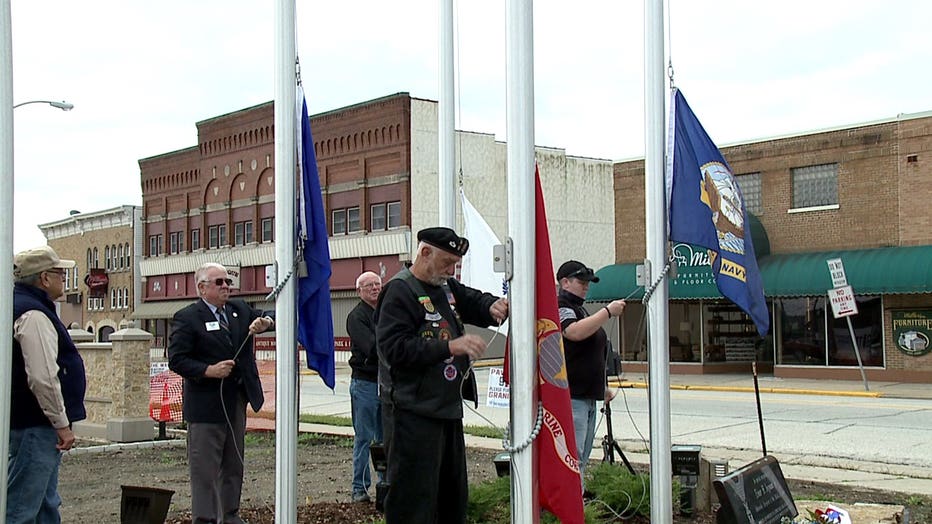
(745, 389)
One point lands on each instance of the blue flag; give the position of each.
(315, 318)
(707, 210)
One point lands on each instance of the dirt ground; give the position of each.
(90, 483)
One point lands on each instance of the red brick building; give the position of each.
(860, 193)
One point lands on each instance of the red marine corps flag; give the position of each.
(558, 464)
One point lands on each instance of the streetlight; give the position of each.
(64, 106)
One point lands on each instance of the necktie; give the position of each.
(223, 320)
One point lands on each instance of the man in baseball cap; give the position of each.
(47, 387)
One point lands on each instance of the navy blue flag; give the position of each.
(315, 318)
(707, 210)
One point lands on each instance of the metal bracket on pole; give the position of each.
(642, 274)
(503, 259)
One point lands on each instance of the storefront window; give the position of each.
(867, 326)
(731, 336)
(802, 330)
(804, 323)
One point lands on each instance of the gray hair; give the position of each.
(364, 275)
(201, 274)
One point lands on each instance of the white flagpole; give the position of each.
(446, 174)
(519, 66)
(6, 239)
(661, 470)
(286, 419)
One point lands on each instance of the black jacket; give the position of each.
(585, 359)
(192, 347)
(361, 328)
(416, 371)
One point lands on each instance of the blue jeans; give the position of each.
(584, 411)
(32, 489)
(367, 425)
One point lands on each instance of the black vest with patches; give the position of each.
(439, 390)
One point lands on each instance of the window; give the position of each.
(67, 279)
(112, 298)
(107, 256)
(213, 237)
(129, 259)
(74, 277)
(750, 187)
(222, 231)
(339, 221)
(242, 233)
(377, 217)
(96, 258)
(352, 220)
(175, 242)
(120, 257)
(394, 214)
(156, 247)
(195, 239)
(125, 298)
(815, 185)
(113, 257)
(90, 259)
(268, 229)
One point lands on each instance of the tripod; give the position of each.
(609, 445)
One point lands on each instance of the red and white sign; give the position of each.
(843, 303)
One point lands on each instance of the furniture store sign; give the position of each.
(912, 330)
(694, 266)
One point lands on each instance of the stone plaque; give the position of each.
(755, 494)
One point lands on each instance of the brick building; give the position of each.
(102, 290)
(378, 172)
(859, 193)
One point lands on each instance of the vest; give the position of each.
(435, 392)
(25, 411)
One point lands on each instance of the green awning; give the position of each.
(882, 271)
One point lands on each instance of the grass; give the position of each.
(336, 420)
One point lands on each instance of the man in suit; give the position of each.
(208, 347)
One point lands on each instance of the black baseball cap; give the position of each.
(576, 269)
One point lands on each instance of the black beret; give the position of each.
(578, 270)
(444, 238)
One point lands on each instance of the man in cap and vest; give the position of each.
(424, 376)
(47, 388)
(584, 345)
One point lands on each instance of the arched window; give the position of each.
(96, 259)
(90, 259)
(107, 256)
(113, 257)
(120, 257)
(125, 298)
(129, 260)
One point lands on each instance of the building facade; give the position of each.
(857, 193)
(102, 290)
(377, 162)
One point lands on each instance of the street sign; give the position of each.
(843, 303)
(837, 269)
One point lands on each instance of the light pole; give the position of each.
(64, 106)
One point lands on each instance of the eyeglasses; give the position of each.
(220, 281)
(370, 285)
(60, 273)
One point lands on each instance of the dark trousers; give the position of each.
(215, 458)
(426, 470)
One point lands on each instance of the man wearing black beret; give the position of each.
(424, 363)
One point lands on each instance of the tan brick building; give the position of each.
(860, 193)
(105, 246)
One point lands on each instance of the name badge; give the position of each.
(212, 326)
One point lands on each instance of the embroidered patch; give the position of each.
(450, 372)
(428, 305)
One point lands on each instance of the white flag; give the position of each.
(476, 270)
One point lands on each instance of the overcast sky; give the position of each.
(141, 73)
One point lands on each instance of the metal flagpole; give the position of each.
(286, 419)
(6, 239)
(661, 469)
(519, 66)
(446, 173)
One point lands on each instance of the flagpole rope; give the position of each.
(273, 296)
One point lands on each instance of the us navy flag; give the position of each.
(707, 210)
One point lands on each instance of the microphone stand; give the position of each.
(609, 445)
